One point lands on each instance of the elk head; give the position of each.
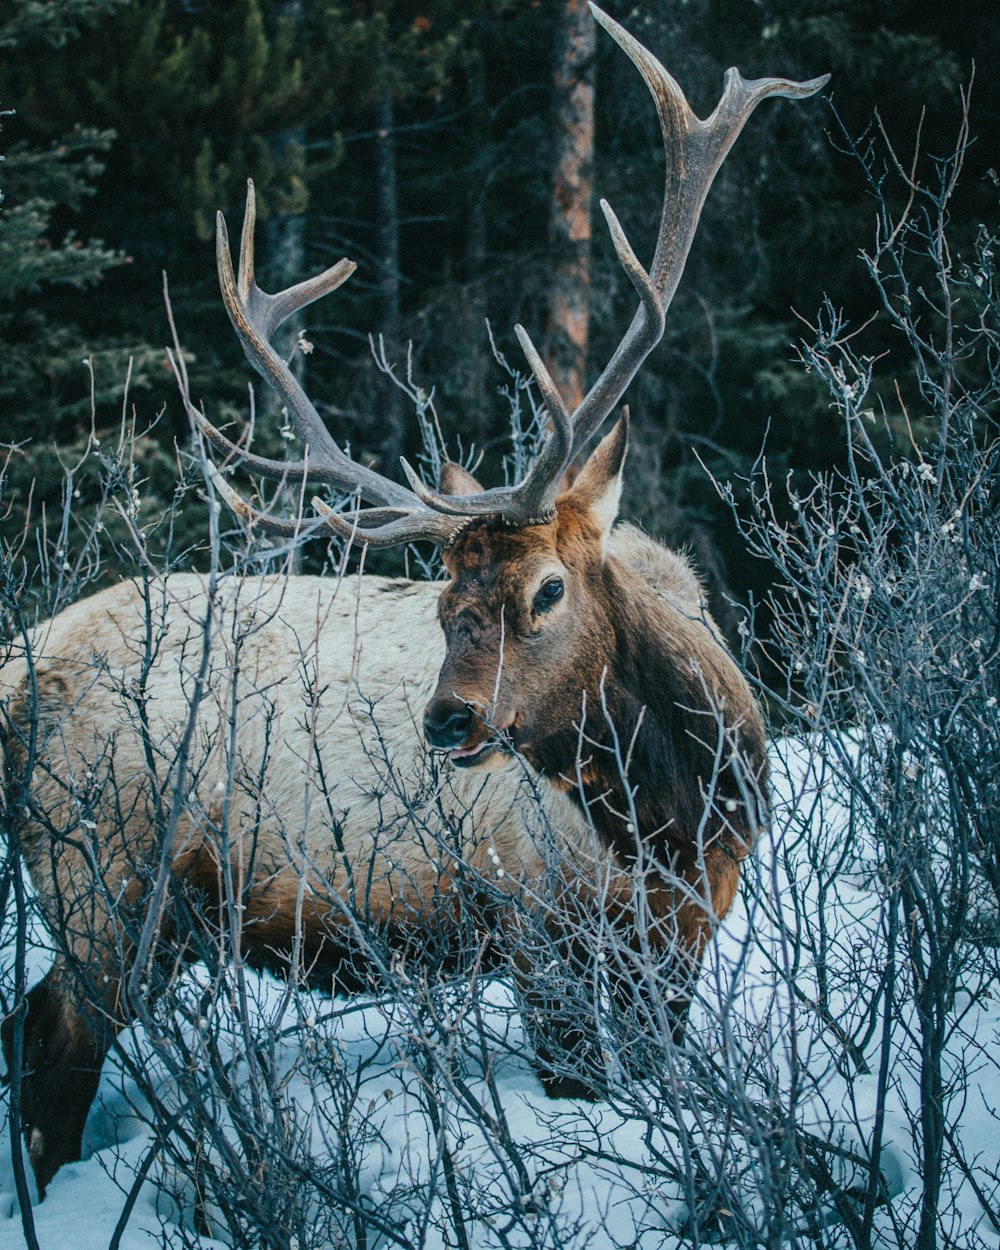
(522, 614)
(526, 620)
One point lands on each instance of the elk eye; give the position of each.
(549, 594)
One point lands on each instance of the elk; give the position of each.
(233, 737)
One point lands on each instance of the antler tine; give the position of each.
(538, 492)
(271, 311)
(695, 149)
(281, 527)
(375, 527)
(388, 527)
(255, 315)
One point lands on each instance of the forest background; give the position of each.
(436, 143)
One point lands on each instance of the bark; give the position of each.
(475, 367)
(285, 259)
(387, 220)
(479, 123)
(285, 241)
(572, 193)
(387, 258)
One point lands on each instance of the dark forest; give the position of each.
(421, 140)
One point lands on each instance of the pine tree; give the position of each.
(53, 372)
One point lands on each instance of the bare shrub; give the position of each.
(840, 1043)
(885, 627)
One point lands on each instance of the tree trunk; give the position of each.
(479, 124)
(284, 263)
(387, 258)
(572, 192)
(285, 232)
(475, 368)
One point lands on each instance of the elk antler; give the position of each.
(255, 316)
(694, 150)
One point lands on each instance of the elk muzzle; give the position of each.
(453, 725)
(448, 722)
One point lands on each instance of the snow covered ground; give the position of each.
(531, 1171)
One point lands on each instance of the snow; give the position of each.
(596, 1171)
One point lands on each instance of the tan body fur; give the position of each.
(323, 803)
(333, 678)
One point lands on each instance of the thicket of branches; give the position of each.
(837, 1042)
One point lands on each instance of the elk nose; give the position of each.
(447, 722)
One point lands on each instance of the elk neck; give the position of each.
(657, 705)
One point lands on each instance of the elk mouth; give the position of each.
(466, 757)
(487, 751)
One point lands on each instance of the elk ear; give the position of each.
(598, 488)
(458, 481)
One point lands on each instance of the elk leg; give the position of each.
(697, 920)
(560, 1021)
(566, 1056)
(61, 1068)
(677, 1012)
(683, 922)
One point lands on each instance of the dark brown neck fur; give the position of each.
(674, 699)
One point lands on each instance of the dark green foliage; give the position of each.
(59, 372)
(27, 26)
(201, 96)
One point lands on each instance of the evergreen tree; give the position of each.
(54, 373)
(775, 232)
(417, 138)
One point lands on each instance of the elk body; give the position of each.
(259, 740)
